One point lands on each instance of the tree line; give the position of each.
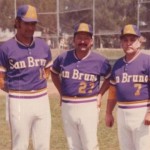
(109, 14)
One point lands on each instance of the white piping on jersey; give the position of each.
(112, 82)
(132, 58)
(106, 77)
(109, 74)
(23, 43)
(54, 71)
(49, 64)
(83, 57)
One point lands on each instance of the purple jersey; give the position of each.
(81, 77)
(132, 79)
(24, 66)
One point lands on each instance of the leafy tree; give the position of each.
(110, 15)
(7, 14)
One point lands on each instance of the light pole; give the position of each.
(93, 24)
(15, 13)
(138, 13)
(58, 25)
(15, 6)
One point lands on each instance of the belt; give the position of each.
(27, 94)
(134, 104)
(75, 99)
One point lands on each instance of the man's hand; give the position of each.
(109, 120)
(99, 99)
(147, 119)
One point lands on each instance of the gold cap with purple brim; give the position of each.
(130, 30)
(27, 13)
(83, 27)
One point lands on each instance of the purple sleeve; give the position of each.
(106, 69)
(57, 64)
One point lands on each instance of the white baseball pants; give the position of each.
(132, 133)
(30, 117)
(80, 125)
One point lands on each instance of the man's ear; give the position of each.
(142, 39)
(92, 41)
(137, 44)
(17, 23)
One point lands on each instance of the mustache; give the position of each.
(82, 44)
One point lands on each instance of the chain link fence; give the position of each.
(58, 17)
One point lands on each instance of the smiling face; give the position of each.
(26, 29)
(83, 41)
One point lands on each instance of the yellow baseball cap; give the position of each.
(27, 13)
(130, 29)
(83, 27)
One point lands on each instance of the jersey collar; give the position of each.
(24, 44)
(132, 58)
(83, 57)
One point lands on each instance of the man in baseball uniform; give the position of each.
(130, 89)
(24, 67)
(76, 74)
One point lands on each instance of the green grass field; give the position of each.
(107, 136)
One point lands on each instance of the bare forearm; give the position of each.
(2, 82)
(110, 106)
(47, 73)
(104, 87)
